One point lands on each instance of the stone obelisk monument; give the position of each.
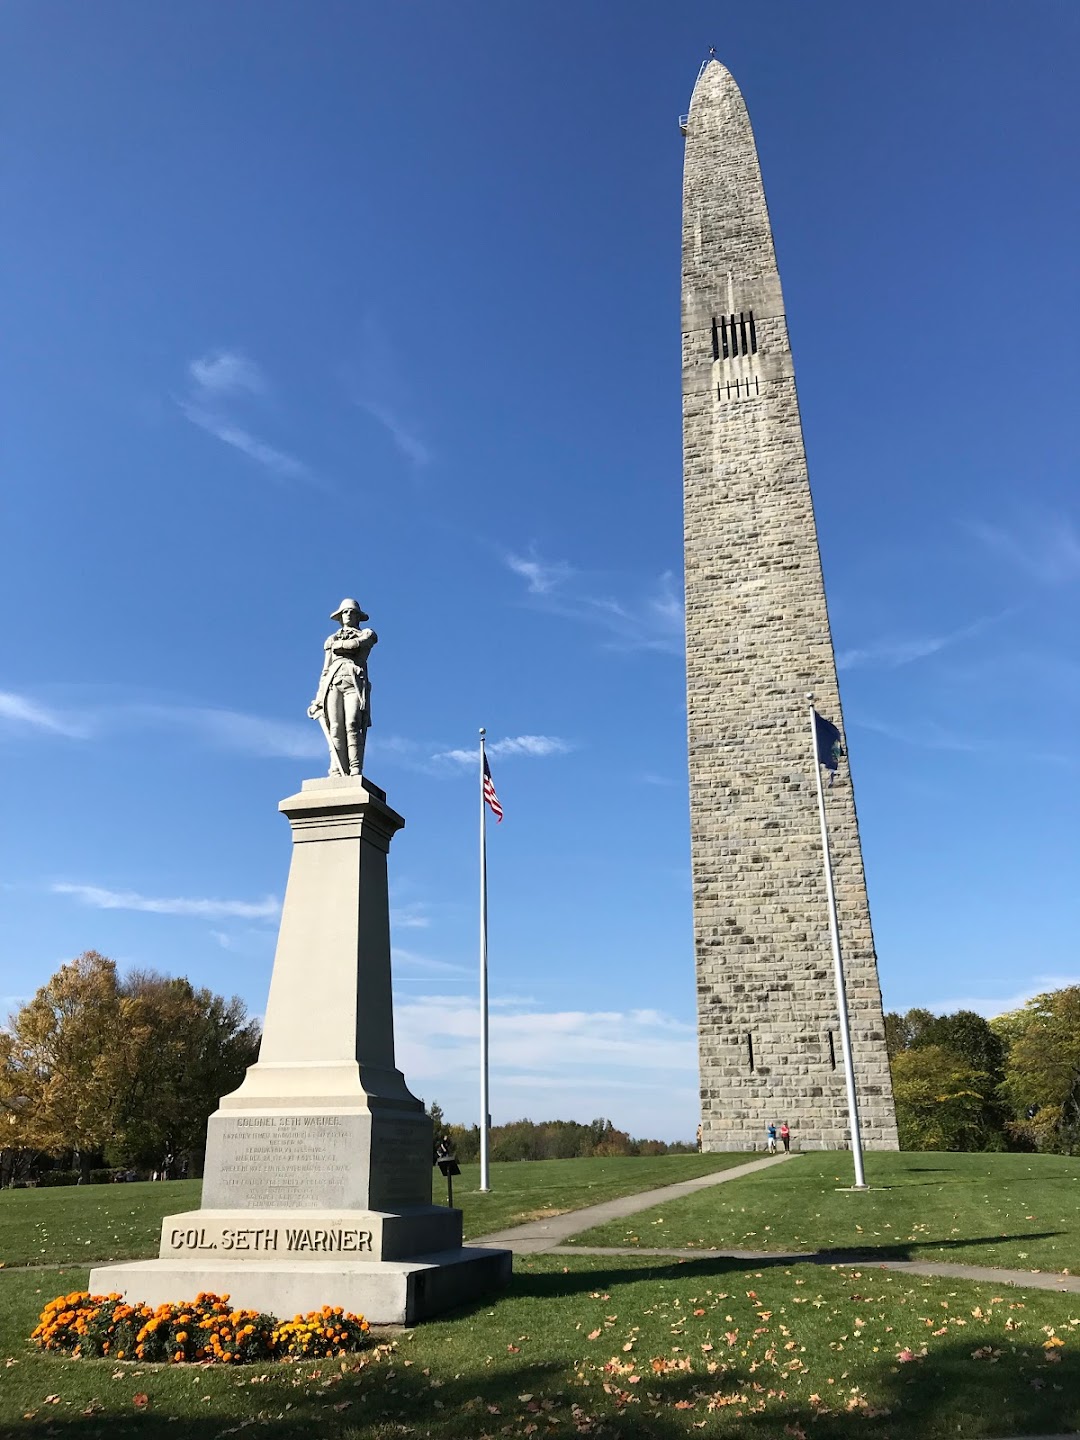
(317, 1187)
(757, 633)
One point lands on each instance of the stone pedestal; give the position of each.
(317, 1184)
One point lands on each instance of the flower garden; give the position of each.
(208, 1330)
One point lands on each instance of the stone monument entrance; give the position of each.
(317, 1187)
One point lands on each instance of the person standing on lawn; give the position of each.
(771, 1136)
(785, 1136)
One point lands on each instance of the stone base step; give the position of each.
(385, 1292)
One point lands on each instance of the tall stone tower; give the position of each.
(757, 639)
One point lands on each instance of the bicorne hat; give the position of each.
(349, 605)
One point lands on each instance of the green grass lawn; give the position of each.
(91, 1223)
(619, 1347)
(1017, 1211)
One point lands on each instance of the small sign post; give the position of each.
(446, 1160)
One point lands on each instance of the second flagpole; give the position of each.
(838, 964)
(484, 1103)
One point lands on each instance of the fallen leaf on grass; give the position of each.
(593, 1335)
(140, 1401)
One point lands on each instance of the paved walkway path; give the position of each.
(1031, 1279)
(540, 1235)
(547, 1236)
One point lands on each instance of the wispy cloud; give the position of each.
(278, 461)
(235, 731)
(413, 916)
(216, 380)
(1045, 547)
(638, 1066)
(538, 747)
(926, 734)
(379, 384)
(226, 372)
(256, 735)
(247, 941)
(1002, 1004)
(890, 654)
(652, 619)
(541, 576)
(19, 710)
(404, 436)
(204, 909)
(425, 966)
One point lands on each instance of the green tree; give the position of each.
(438, 1119)
(1042, 1071)
(65, 1044)
(126, 1069)
(972, 1037)
(940, 1100)
(971, 1040)
(904, 1032)
(189, 1047)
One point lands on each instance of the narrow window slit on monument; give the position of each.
(715, 341)
(750, 1049)
(757, 387)
(753, 334)
(724, 338)
(832, 1049)
(742, 332)
(734, 337)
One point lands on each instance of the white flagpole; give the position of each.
(484, 1103)
(838, 965)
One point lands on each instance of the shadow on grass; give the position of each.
(922, 1251)
(1013, 1391)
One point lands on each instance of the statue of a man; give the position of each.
(342, 705)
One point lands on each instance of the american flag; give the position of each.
(489, 792)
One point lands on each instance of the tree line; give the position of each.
(548, 1140)
(962, 1082)
(101, 1071)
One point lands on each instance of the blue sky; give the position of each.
(310, 301)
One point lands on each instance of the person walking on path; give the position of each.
(771, 1134)
(785, 1136)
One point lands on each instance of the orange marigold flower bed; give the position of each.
(205, 1329)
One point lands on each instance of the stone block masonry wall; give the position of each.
(757, 639)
